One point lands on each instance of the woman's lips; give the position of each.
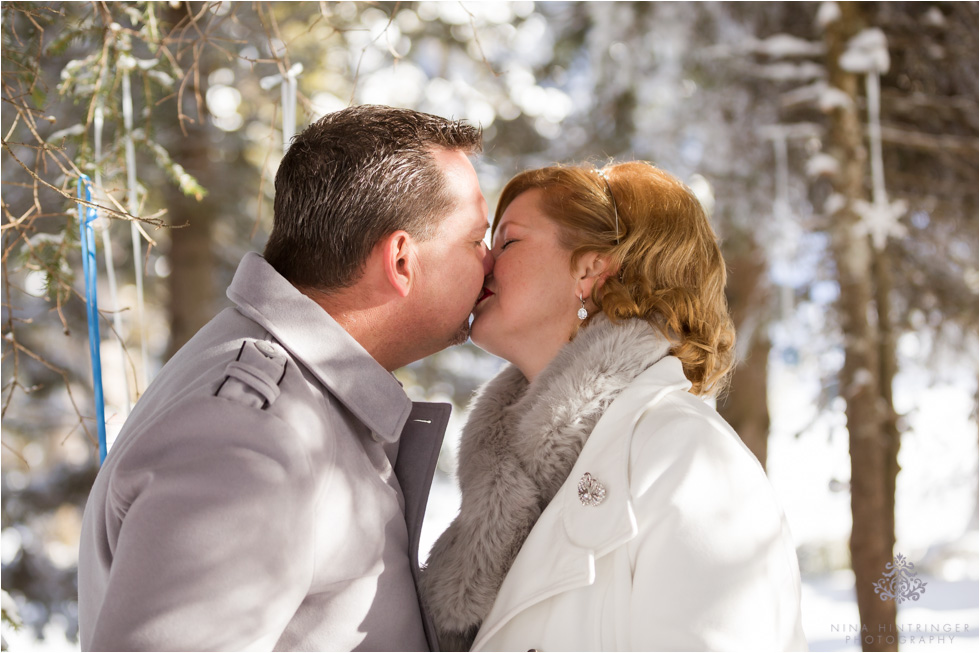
(486, 293)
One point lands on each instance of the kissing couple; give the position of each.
(267, 491)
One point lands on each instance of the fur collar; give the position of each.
(517, 448)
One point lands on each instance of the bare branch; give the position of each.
(922, 141)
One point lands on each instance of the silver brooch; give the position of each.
(590, 491)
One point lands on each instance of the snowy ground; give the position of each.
(944, 619)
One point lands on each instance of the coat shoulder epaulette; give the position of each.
(253, 378)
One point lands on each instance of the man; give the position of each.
(257, 496)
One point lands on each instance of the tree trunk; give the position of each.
(192, 261)
(888, 366)
(745, 404)
(872, 510)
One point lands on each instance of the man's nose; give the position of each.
(487, 261)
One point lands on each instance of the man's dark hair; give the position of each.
(350, 179)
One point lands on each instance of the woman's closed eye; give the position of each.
(507, 243)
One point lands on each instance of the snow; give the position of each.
(866, 52)
(935, 505)
(821, 165)
(9, 608)
(55, 638)
(704, 191)
(829, 12)
(788, 72)
(781, 46)
(805, 94)
(862, 378)
(58, 136)
(41, 238)
(934, 17)
(125, 62)
(947, 610)
(834, 203)
(833, 98)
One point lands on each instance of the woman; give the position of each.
(605, 506)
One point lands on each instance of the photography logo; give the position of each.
(899, 583)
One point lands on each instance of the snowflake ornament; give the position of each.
(880, 221)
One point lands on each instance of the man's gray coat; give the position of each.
(251, 501)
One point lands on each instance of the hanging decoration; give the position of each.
(132, 205)
(786, 233)
(879, 219)
(86, 216)
(288, 88)
(109, 264)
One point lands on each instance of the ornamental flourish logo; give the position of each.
(899, 583)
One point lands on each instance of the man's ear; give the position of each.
(592, 269)
(399, 254)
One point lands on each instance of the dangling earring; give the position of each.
(582, 313)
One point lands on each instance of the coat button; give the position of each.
(590, 491)
(265, 348)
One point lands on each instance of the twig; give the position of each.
(476, 39)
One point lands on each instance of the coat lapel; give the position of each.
(559, 553)
(418, 451)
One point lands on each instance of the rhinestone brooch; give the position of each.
(590, 491)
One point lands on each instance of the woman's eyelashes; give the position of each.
(506, 243)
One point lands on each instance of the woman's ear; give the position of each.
(591, 270)
(399, 254)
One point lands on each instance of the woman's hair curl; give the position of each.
(663, 256)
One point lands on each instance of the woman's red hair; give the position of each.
(666, 265)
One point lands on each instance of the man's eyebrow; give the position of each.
(481, 228)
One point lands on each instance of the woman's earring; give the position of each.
(582, 313)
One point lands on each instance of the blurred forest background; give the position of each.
(835, 145)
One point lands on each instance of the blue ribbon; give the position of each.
(86, 215)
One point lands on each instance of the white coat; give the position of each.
(688, 549)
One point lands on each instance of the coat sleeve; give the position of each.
(714, 567)
(211, 533)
